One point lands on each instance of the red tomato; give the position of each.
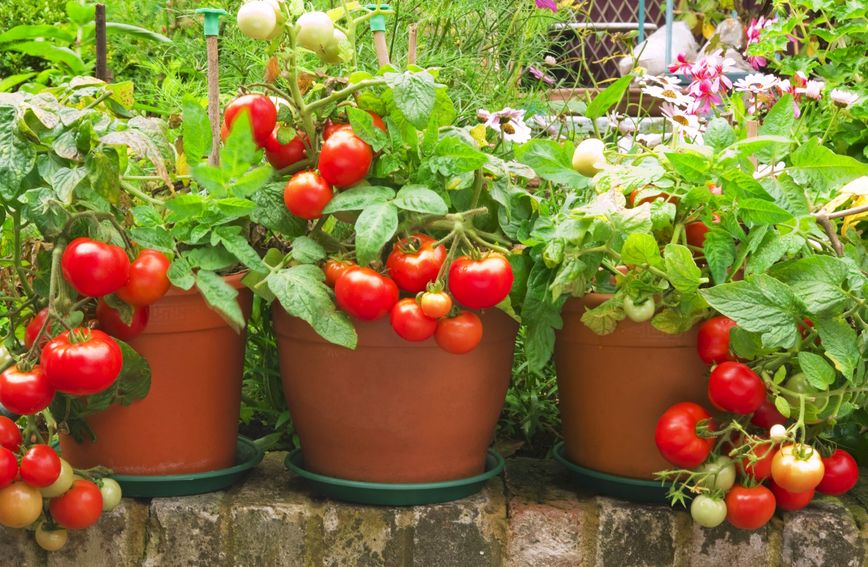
(25, 392)
(33, 328)
(735, 388)
(334, 269)
(10, 435)
(696, 232)
(40, 466)
(841, 473)
(365, 294)
(762, 468)
(480, 284)
(410, 322)
(712, 341)
(262, 112)
(82, 361)
(95, 268)
(8, 467)
(283, 155)
(798, 468)
(749, 508)
(677, 438)
(787, 500)
(306, 195)
(378, 122)
(414, 262)
(332, 127)
(767, 415)
(435, 304)
(110, 321)
(149, 279)
(79, 508)
(460, 334)
(344, 159)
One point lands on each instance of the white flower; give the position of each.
(768, 169)
(509, 122)
(812, 89)
(843, 98)
(549, 124)
(550, 61)
(756, 83)
(670, 93)
(682, 122)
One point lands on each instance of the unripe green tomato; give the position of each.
(257, 19)
(51, 540)
(62, 484)
(111, 494)
(708, 512)
(331, 52)
(588, 158)
(639, 312)
(724, 470)
(314, 30)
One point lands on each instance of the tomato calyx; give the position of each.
(79, 335)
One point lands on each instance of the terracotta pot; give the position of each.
(189, 420)
(613, 389)
(391, 410)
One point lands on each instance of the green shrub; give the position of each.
(26, 12)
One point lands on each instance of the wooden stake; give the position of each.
(214, 98)
(411, 47)
(99, 24)
(382, 48)
(751, 129)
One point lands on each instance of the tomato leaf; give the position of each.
(542, 315)
(363, 126)
(841, 345)
(452, 156)
(420, 199)
(551, 161)
(604, 318)
(237, 245)
(818, 280)
(719, 134)
(692, 166)
(222, 297)
(17, 157)
(640, 249)
(358, 198)
(719, 250)
(239, 151)
(181, 274)
(414, 95)
(818, 372)
(302, 292)
(375, 226)
(681, 269)
(821, 170)
(271, 212)
(760, 211)
(608, 97)
(250, 182)
(307, 250)
(783, 406)
(196, 129)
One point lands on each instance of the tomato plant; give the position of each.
(306, 194)
(260, 111)
(415, 262)
(25, 392)
(51, 539)
(749, 507)
(460, 334)
(480, 283)
(344, 159)
(797, 468)
(35, 326)
(410, 322)
(79, 507)
(735, 388)
(111, 322)
(678, 437)
(840, 473)
(767, 415)
(639, 312)
(81, 361)
(95, 268)
(283, 155)
(40, 466)
(758, 463)
(148, 281)
(365, 294)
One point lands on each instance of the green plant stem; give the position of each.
(343, 93)
(16, 253)
(304, 111)
(136, 192)
(478, 182)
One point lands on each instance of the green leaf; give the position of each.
(134, 381)
(821, 170)
(780, 119)
(542, 316)
(358, 198)
(196, 129)
(719, 250)
(639, 249)
(307, 250)
(363, 126)
(65, 180)
(608, 97)
(681, 269)
(222, 297)
(152, 237)
(375, 226)
(271, 212)
(841, 345)
(452, 156)
(551, 161)
(744, 344)
(762, 305)
(52, 53)
(180, 273)
(692, 166)
(719, 134)
(233, 208)
(80, 14)
(603, 319)
(239, 151)
(420, 199)
(213, 258)
(251, 182)
(115, 28)
(44, 31)
(105, 174)
(818, 372)
(12, 81)
(414, 95)
(211, 178)
(17, 157)
(783, 406)
(818, 280)
(186, 206)
(302, 292)
(758, 211)
(237, 245)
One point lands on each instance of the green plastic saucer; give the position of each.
(247, 456)
(626, 488)
(399, 494)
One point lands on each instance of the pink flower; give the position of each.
(547, 5)
(539, 75)
(705, 96)
(753, 33)
(812, 89)
(680, 65)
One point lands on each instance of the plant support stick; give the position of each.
(99, 31)
(212, 33)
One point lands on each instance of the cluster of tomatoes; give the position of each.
(773, 472)
(33, 476)
(414, 266)
(82, 361)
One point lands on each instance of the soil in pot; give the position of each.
(393, 411)
(613, 389)
(188, 422)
